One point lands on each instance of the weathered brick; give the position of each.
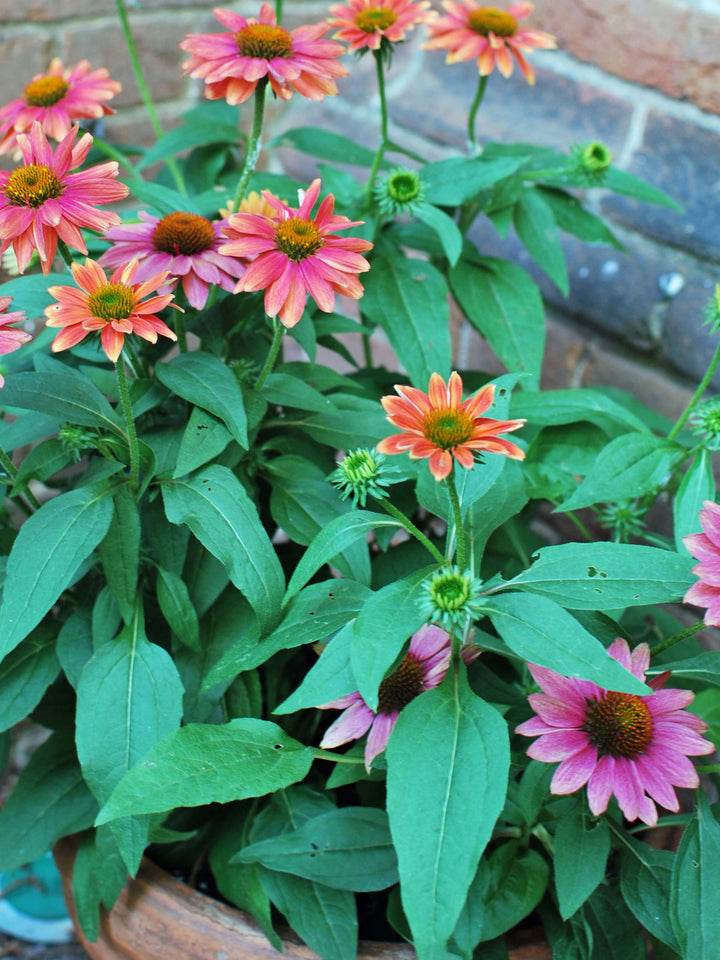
(659, 43)
(682, 159)
(157, 38)
(687, 342)
(23, 55)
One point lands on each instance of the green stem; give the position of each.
(480, 93)
(544, 837)
(278, 331)
(457, 516)
(254, 143)
(383, 123)
(412, 529)
(65, 253)
(708, 768)
(697, 395)
(278, 10)
(124, 394)
(9, 468)
(145, 91)
(676, 638)
(319, 754)
(115, 154)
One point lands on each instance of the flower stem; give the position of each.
(145, 91)
(319, 754)
(697, 395)
(480, 93)
(9, 468)
(457, 516)
(124, 393)
(254, 143)
(272, 353)
(278, 10)
(65, 253)
(412, 529)
(115, 154)
(676, 638)
(383, 123)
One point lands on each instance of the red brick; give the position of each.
(23, 55)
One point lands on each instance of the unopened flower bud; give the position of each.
(593, 160)
(450, 597)
(398, 191)
(705, 421)
(625, 519)
(360, 475)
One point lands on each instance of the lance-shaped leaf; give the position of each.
(697, 485)
(448, 761)
(46, 555)
(694, 886)
(218, 510)
(208, 763)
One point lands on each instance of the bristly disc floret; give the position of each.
(400, 191)
(450, 597)
(361, 474)
(705, 421)
(592, 162)
(625, 519)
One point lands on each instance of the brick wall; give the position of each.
(641, 75)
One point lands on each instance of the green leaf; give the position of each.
(448, 752)
(408, 299)
(218, 510)
(323, 143)
(606, 576)
(629, 466)
(645, 877)
(332, 540)
(210, 763)
(444, 226)
(572, 217)
(705, 667)
(615, 934)
(46, 555)
(188, 135)
(384, 624)
(42, 462)
(162, 199)
(559, 407)
(25, 675)
(328, 679)
(457, 179)
(74, 644)
(31, 291)
(697, 486)
(203, 379)
(346, 849)
(580, 859)
(619, 181)
(502, 501)
(177, 608)
(504, 305)
(204, 438)
(49, 801)
(540, 631)
(535, 225)
(695, 879)
(67, 396)
(289, 391)
(120, 551)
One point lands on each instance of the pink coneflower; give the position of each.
(634, 747)
(231, 64)
(296, 254)
(114, 308)
(366, 23)
(185, 245)
(41, 200)
(56, 99)
(437, 425)
(423, 668)
(705, 547)
(470, 31)
(11, 339)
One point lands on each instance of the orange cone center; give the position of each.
(112, 301)
(263, 41)
(32, 185)
(619, 724)
(375, 18)
(447, 428)
(485, 20)
(298, 238)
(183, 233)
(45, 92)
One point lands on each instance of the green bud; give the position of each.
(625, 519)
(449, 597)
(360, 475)
(398, 191)
(592, 160)
(705, 421)
(76, 439)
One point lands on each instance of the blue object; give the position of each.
(32, 906)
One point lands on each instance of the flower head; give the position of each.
(705, 421)
(634, 747)
(705, 547)
(470, 31)
(231, 64)
(366, 24)
(450, 597)
(423, 667)
(360, 475)
(437, 425)
(55, 100)
(185, 245)
(592, 162)
(11, 339)
(625, 519)
(114, 308)
(42, 200)
(399, 191)
(297, 253)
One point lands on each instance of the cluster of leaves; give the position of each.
(166, 635)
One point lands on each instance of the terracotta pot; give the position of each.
(158, 917)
